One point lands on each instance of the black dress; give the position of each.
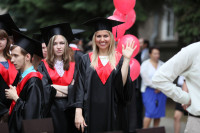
(7, 77)
(102, 96)
(29, 104)
(60, 109)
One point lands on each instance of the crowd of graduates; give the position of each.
(48, 76)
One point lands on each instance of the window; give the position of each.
(167, 28)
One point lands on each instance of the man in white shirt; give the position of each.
(186, 63)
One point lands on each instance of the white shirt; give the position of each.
(180, 81)
(59, 67)
(147, 71)
(187, 64)
(104, 60)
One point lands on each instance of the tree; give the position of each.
(33, 14)
(188, 20)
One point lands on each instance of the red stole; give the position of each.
(105, 71)
(21, 84)
(9, 74)
(66, 79)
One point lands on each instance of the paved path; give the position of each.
(168, 121)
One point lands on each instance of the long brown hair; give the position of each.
(68, 55)
(6, 52)
(111, 51)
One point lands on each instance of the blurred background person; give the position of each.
(179, 110)
(36, 59)
(77, 43)
(39, 38)
(154, 101)
(144, 45)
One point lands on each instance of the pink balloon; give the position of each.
(129, 18)
(119, 30)
(134, 69)
(124, 41)
(118, 13)
(124, 6)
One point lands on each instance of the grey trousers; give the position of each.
(193, 125)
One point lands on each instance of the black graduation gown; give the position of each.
(135, 107)
(131, 113)
(29, 104)
(77, 55)
(60, 109)
(139, 103)
(7, 77)
(104, 99)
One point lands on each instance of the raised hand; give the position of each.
(129, 49)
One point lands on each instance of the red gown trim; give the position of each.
(9, 74)
(66, 79)
(21, 84)
(75, 49)
(105, 71)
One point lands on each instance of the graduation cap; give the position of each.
(77, 33)
(30, 45)
(7, 24)
(102, 23)
(38, 37)
(63, 29)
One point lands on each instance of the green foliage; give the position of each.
(33, 14)
(188, 20)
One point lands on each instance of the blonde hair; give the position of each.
(111, 51)
(68, 55)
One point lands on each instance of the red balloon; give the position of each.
(124, 6)
(129, 18)
(134, 69)
(118, 13)
(124, 41)
(119, 30)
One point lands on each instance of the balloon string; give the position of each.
(116, 31)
